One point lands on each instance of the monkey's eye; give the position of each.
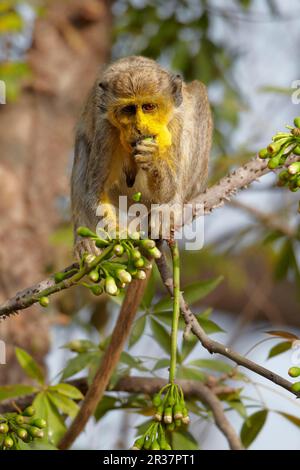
(129, 109)
(148, 107)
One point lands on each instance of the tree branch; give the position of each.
(206, 392)
(214, 346)
(109, 361)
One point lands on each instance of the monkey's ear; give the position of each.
(176, 88)
(103, 85)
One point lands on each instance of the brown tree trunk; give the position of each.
(69, 44)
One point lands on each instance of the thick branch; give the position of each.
(109, 361)
(214, 346)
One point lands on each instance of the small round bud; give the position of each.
(111, 286)
(137, 197)
(136, 254)
(186, 420)
(22, 433)
(19, 419)
(168, 418)
(96, 290)
(294, 371)
(8, 442)
(39, 423)
(118, 250)
(296, 387)
(29, 411)
(44, 301)
(123, 276)
(4, 428)
(94, 275)
(140, 275)
(263, 153)
(155, 253)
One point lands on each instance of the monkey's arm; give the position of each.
(161, 175)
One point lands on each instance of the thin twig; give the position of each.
(215, 347)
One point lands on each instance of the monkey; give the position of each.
(142, 129)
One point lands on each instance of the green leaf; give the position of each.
(279, 348)
(252, 427)
(208, 325)
(63, 403)
(161, 335)
(291, 418)
(67, 390)
(183, 440)
(81, 345)
(45, 409)
(131, 361)
(149, 292)
(78, 363)
(137, 330)
(29, 365)
(14, 391)
(188, 345)
(212, 364)
(192, 293)
(190, 373)
(238, 406)
(106, 404)
(161, 364)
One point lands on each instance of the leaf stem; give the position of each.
(176, 308)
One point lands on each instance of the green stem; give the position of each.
(176, 308)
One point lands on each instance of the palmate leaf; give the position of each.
(55, 425)
(14, 391)
(137, 331)
(78, 363)
(252, 427)
(68, 390)
(184, 440)
(161, 335)
(64, 404)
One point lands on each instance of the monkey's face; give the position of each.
(140, 117)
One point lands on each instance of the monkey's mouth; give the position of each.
(133, 143)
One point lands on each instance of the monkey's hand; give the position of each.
(144, 154)
(85, 245)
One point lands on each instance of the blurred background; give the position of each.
(246, 52)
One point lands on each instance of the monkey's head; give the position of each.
(139, 98)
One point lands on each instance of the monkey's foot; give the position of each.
(85, 246)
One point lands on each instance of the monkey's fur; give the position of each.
(135, 98)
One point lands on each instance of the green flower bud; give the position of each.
(147, 244)
(100, 243)
(159, 412)
(177, 423)
(44, 301)
(134, 236)
(89, 259)
(170, 427)
(58, 277)
(155, 253)
(294, 371)
(156, 400)
(155, 445)
(297, 122)
(123, 276)
(39, 423)
(296, 387)
(139, 263)
(263, 153)
(294, 168)
(96, 290)
(177, 412)
(137, 197)
(35, 432)
(296, 150)
(22, 434)
(111, 286)
(94, 275)
(136, 254)
(85, 232)
(4, 428)
(118, 250)
(19, 419)
(29, 411)
(8, 442)
(274, 162)
(141, 275)
(168, 418)
(284, 176)
(186, 420)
